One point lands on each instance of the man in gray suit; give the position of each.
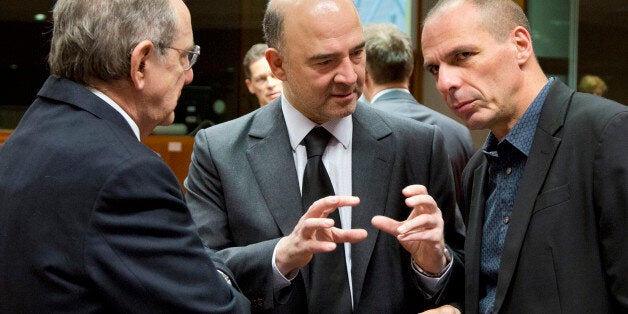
(546, 199)
(245, 177)
(389, 66)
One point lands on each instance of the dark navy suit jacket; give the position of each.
(92, 221)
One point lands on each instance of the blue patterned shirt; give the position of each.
(506, 163)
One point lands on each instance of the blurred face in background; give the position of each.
(263, 82)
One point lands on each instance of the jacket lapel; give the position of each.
(544, 147)
(370, 173)
(275, 173)
(473, 238)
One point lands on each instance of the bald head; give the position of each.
(277, 11)
(316, 47)
(498, 17)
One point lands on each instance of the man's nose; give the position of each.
(347, 73)
(448, 79)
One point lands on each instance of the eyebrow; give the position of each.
(452, 53)
(333, 55)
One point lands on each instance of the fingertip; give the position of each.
(364, 233)
(329, 222)
(402, 229)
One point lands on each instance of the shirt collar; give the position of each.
(386, 91)
(522, 134)
(299, 126)
(132, 124)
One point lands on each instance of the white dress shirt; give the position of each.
(132, 124)
(337, 161)
(386, 91)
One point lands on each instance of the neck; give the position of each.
(532, 84)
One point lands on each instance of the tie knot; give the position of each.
(316, 141)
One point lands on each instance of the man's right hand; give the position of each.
(315, 233)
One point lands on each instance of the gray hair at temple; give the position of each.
(389, 53)
(93, 39)
(255, 53)
(272, 25)
(499, 17)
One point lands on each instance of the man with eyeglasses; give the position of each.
(92, 221)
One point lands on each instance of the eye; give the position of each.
(324, 62)
(357, 53)
(463, 55)
(433, 69)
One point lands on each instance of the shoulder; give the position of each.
(376, 118)
(408, 107)
(593, 114)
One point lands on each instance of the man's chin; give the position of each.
(168, 120)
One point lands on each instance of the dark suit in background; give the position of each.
(245, 198)
(458, 142)
(565, 250)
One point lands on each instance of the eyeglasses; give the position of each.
(192, 55)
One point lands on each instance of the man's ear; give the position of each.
(249, 85)
(139, 59)
(522, 41)
(275, 60)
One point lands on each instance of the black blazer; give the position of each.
(91, 220)
(244, 194)
(566, 246)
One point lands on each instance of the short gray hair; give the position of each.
(255, 53)
(273, 25)
(499, 17)
(93, 39)
(389, 53)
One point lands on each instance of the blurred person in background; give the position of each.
(259, 79)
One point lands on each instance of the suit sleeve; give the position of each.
(611, 197)
(143, 251)
(252, 263)
(441, 188)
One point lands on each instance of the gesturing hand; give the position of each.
(315, 233)
(422, 233)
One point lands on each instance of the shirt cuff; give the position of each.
(279, 280)
(432, 285)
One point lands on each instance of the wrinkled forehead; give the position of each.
(453, 22)
(320, 15)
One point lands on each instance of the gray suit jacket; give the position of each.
(244, 196)
(458, 142)
(567, 240)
